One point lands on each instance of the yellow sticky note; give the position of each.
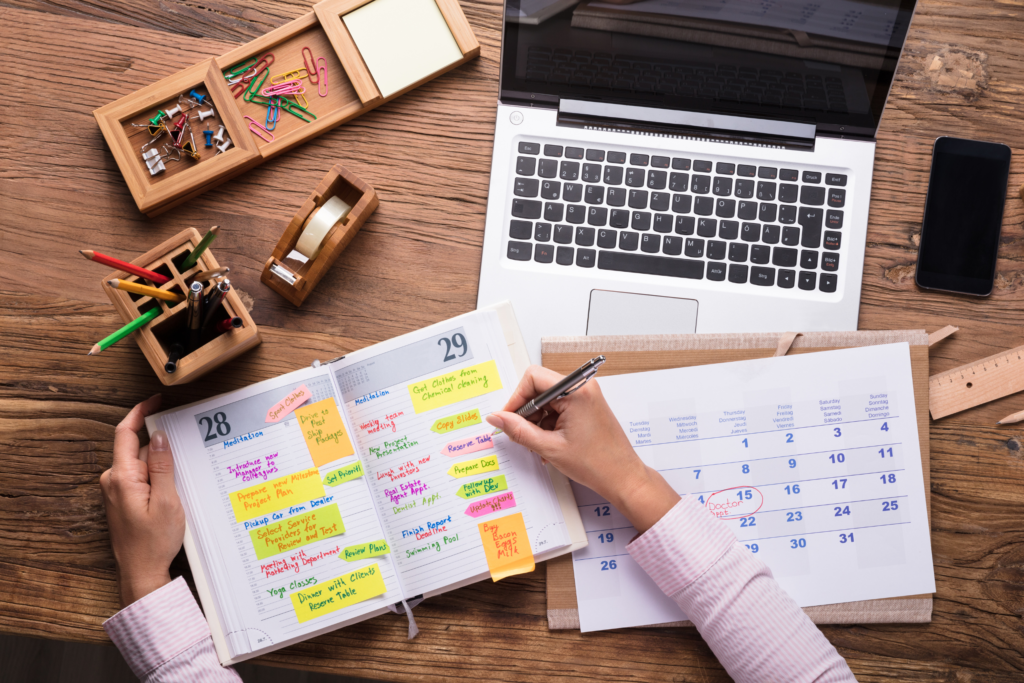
(507, 546)
(488, 463)
(453, 422)
(348, 589)
(324, 432)
(277, 494)
(297, 531)
(364, 550)
(455, 386)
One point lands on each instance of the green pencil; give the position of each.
(110, 340)
(200, 248)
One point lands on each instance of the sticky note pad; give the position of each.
(296, 532)
(277, 494)
(455, 386)
(324, 431)
(401, 41)
(507, 546)
(468, 468)
(348, 589)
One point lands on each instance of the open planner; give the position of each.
(326, 496)
(813, 461)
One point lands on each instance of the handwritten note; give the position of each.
(453, 422)
(455, 386)
(348, 589)
(471, 444)
(364, 550)
(502, 501)
(341, 475)
(297, 531)
(482, 487)
(324, 432)
(277, 494)
(285, 406)
(507, 546)
(468, 468)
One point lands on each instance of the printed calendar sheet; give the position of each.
(812, 460)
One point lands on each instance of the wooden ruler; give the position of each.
(976, 383)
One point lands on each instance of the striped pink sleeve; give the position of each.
(754, 628)
(164, 637)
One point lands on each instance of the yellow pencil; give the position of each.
(1010, 419)
(145, 290)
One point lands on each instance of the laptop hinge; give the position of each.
(631, 118)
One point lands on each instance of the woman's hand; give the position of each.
(582, 439)
(146, 520)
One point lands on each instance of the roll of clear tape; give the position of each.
(323, 219)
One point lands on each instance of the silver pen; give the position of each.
(569, 384)
(194, 315)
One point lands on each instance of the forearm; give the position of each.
(754, 628)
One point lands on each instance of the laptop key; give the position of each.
(650, 243)
(789, 193)
(761, 276)
(572, 192)
(812, 177)
(616, 196)
(750, 232)
(662, 222)
(760, 254)
(597, 216)
(681, 164)
(707, 227)
(612, 175)
(570, 170)
(702, 166)
(660, 201)
(657, 180)
(694, 247)
(701, 184)
(573, 152)
(526, 187)
(679, 182)
(616, 157)
(812, 196)
(595, 155)
(681, 203)
(526, 166)
(550, 189)
(724, 168)
(835, 179)
(834, 219)
(543, 253)
(722, 186)
(790, 174)
(717, 250)
(638, 199)
(520, 230)
(784, 257)
(770, 234)
(737, 273)
(716, 271)
(641, 220)
(575, 214)
(832, 239)
(791, 236)
(660, 162)
(685, 225)
(629, 241)
(529, 148)
(738, 252)
(744, 188)
(606, 239)
(673, 246)
(787, 278)
(547, 168)
(746, 171)
(591, 173)
(651, 265)
(552, 150)
(787, 214)
(767, 172)
(766, 191)
(542, 232)
(526, 208)
(808, 279)
(553, 211)
(520, 251)
(808, 259)
(729, 230)
(593, 194)
(836, 198)
(585, 236)
(619, 218)
(704, 206)
(746, 211)
(830, 262)
(563, 256)
(828, 282)
(725, 208)
(810, 221)
(767, 213)
(586, 258)
(635, 177)
(563, 234)
(638, 159)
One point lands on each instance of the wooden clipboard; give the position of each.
(639, 354)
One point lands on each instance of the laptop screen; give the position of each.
(826, 62)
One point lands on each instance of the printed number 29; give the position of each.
(458, 341)
(223, 428)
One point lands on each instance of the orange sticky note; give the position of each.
(507, 546)
(324, 431)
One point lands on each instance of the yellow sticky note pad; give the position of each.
(297, 531)
(507, 546)
(488, 463)
(365, 550)
(324, 432)
(348, 589)
(277, 494)
(455, 386)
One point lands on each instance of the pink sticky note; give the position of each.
(470, 444)
(286, 405)
(502, 501)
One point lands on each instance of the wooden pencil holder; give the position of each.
(295, 283)
(156, 338)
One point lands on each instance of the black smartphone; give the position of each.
(962, 216)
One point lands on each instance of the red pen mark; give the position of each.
(735, 502)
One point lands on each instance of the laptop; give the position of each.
(681, 166)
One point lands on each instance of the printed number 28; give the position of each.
(223, 428)
(458, 341)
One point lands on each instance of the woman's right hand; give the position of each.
(581, 437)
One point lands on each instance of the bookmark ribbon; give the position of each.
(286, 405)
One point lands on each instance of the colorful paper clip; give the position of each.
(259, 130)
(291, 75)
(321, 87)
(254, 88)
(273, 113)
(310, 65)
(244, 84)
(239, 69)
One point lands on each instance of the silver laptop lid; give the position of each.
(827, 64)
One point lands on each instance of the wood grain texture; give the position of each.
(413, 263)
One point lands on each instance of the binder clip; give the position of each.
(154, 162)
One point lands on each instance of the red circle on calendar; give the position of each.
(735, 502)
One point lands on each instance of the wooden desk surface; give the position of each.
(428, 156)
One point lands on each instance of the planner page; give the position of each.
(443, 485)
(281, 511)
(812, 460)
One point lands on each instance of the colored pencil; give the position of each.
(1010, 419)
(211, 274)
(193, 258)
(112, 339)
(124, 265)
(145, 290)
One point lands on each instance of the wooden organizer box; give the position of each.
(339, 182)
(351, 92)
(156, 337)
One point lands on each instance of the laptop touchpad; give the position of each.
(614, 313)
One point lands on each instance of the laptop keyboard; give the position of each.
(683, 217)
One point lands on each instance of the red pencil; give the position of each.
(123, 265)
